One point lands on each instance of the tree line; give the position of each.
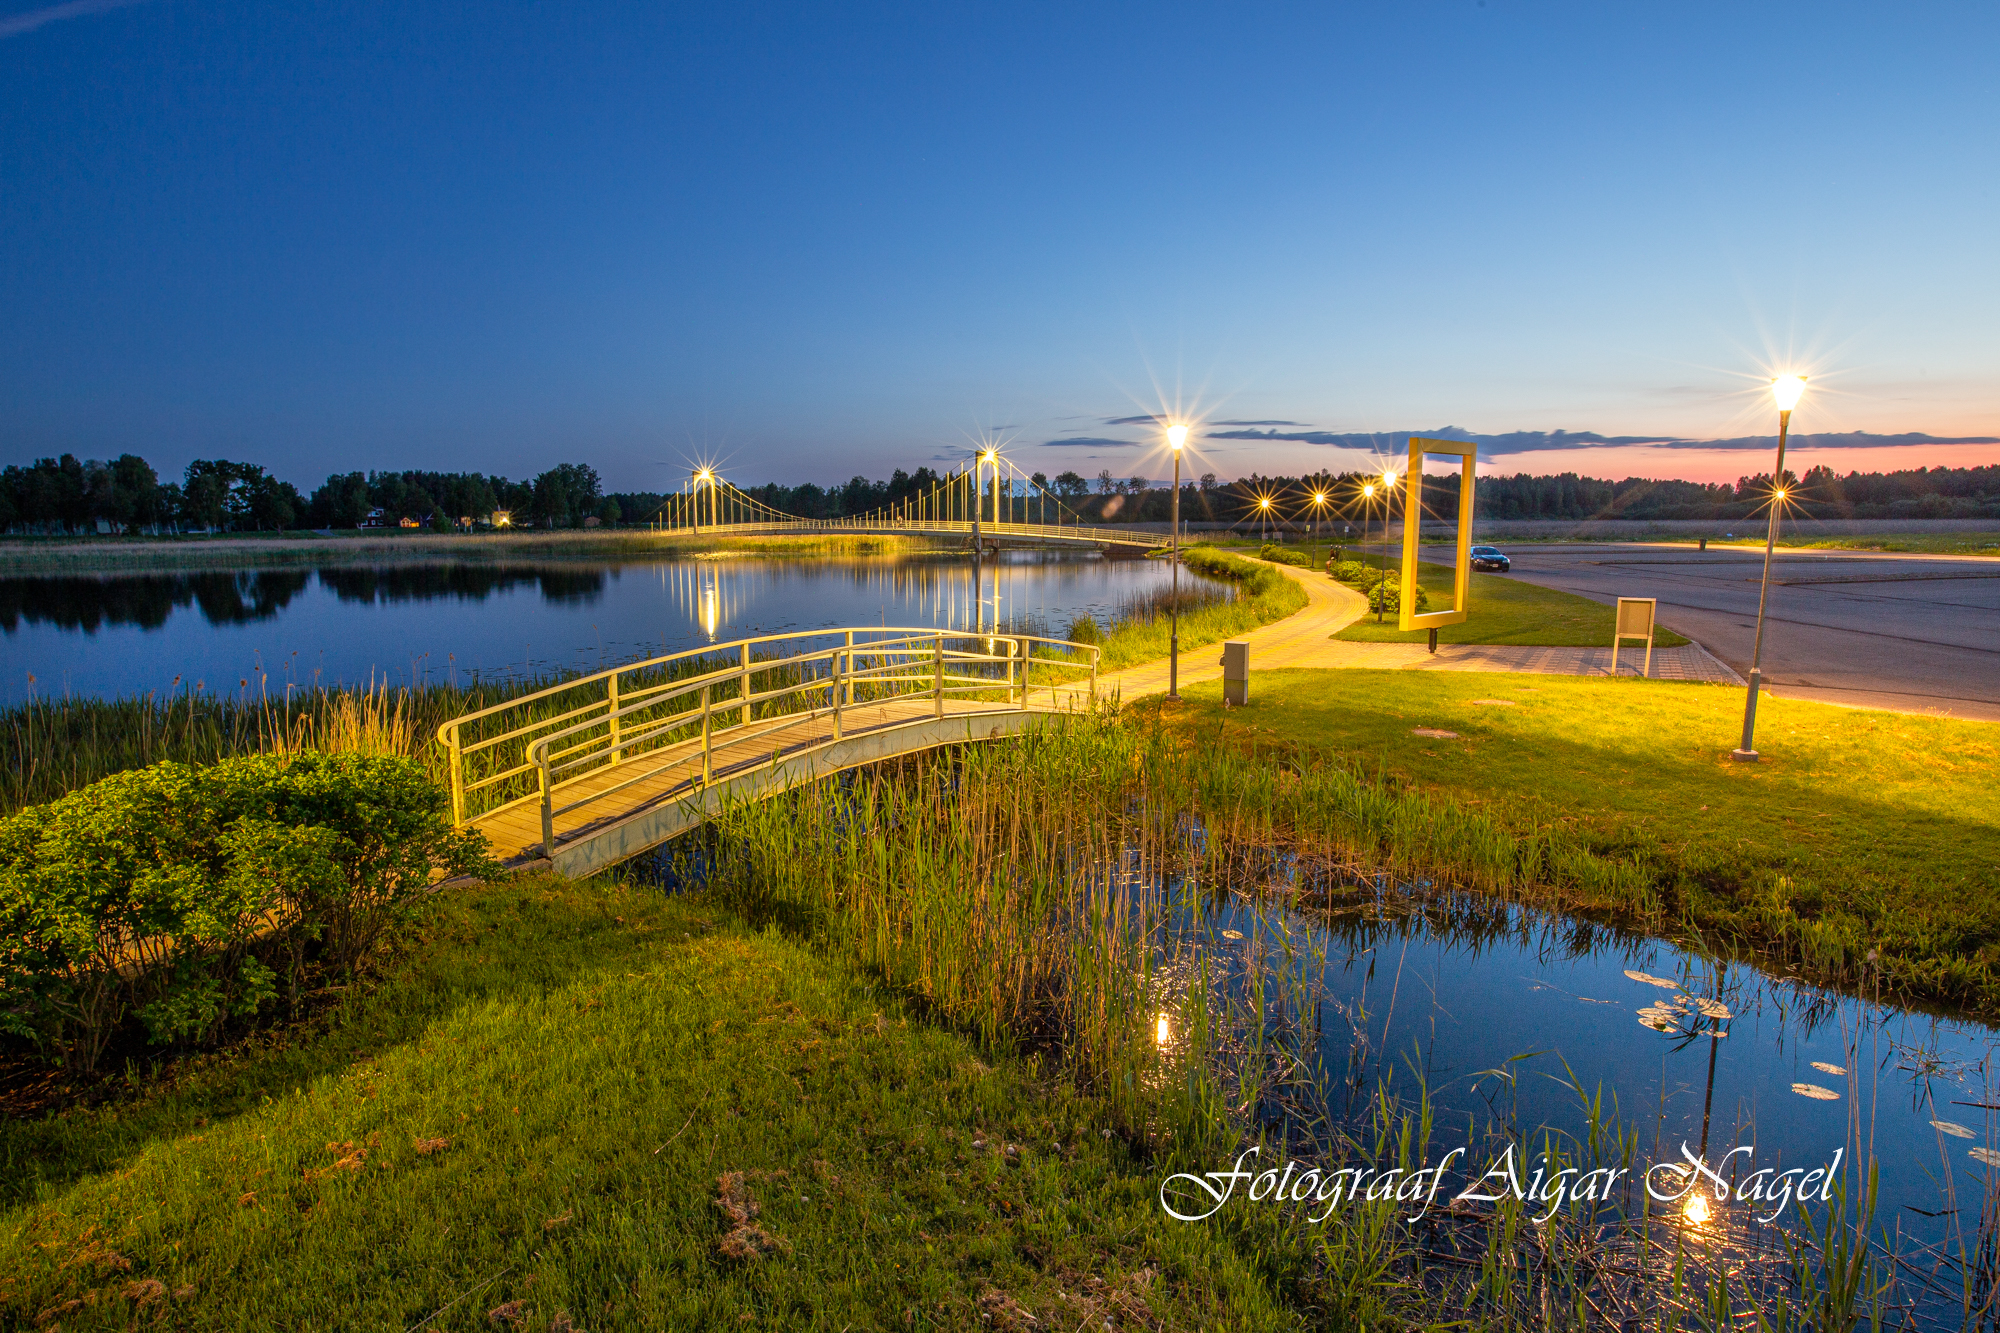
(67, 496)
(57, 496)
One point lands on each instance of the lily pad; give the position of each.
(1816, 1092)
(1947, 1127)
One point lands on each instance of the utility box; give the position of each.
(1236, 672)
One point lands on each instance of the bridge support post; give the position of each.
(937, 678)
(746, 684)
(457, 781)
(839, 690)
(850, 668)
(1021, 645)
(616, 722)
(548, 805)
(707, 771)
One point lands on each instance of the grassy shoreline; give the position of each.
(536, 1115)
(107, 554)
(1862, 851)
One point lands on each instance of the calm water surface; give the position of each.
(117, 634)
(1507, 1018)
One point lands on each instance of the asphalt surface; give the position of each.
(1912, 633)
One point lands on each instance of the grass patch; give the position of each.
(1506, 611)
(535, 1115)
(1865, 847)
(52, 555)
(1263, 595)
(1919, 543)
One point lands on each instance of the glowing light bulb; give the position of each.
(1696, 1210)
(1388, 476)
(1318, 499)
(1787, 389)
(1177, 437)
(1368, 491)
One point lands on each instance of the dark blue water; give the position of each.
(232, 630)
(1507, 1018)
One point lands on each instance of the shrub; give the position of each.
(168, 894)
(1278, 555)
(1084, 629)
(1387, 597)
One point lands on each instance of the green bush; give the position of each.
(1387, 596)
(1084, 629)
(1346, 571)
(1278, 555)
(178, 896)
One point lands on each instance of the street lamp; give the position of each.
(1176, 439)
(1785, 391)
(1367, 515)
(1388, 499)
(1264, 515)
(704, 477)
(1318, 504)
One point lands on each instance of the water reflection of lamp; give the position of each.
(1163, 1032)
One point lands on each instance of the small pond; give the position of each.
(1507, 1019)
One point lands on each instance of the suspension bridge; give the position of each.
(591, 772)
(988, 505)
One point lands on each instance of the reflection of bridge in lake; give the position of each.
(1015, 591)
(593, 771)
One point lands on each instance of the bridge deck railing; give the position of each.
(950, 527)
(659, 713)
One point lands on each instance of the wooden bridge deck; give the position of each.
(656, 795)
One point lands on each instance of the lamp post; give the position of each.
(1785, 391)
(702, 478)
(1367, 515)
(1264, 517)
(1318, 504)
(1176, 438)
(1388, 499)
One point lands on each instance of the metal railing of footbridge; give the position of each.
(665, 713)
(950, 527)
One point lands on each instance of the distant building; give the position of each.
(502, 518)
(376, 519)
(409, 523)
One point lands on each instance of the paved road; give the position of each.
(1915, 633)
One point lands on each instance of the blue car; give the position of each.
(1491, 557)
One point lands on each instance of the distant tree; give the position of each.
(1105, 485)
(608, 512)
(1071, 485)
(205, 493)
(564, 494)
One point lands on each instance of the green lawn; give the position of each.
(1859, 831)
(1505, 611)
(1925, 543)
(537, 1108)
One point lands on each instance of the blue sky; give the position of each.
(813, 241)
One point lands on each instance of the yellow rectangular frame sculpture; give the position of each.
(1413, 507)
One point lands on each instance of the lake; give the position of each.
(407, 622)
